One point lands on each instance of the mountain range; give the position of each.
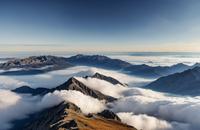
(33, 65)
(42, 64)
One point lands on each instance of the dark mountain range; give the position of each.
(67, 116)
(156, 71)
(98, 61)
(116, 64)
(32, 65)
(34, 62)
(29, 90)
(184, 83)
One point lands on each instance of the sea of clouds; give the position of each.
(158, 60)
(142, 108)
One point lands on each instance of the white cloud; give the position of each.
(103, 86)
(175, 109)
(183, 110)
(10, 83)
(86, 103)
(55, 78)
(13, 106)
(145, 122)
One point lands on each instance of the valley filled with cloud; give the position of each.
(142, 108)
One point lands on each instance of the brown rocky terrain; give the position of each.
(67, 116)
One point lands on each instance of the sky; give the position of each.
(100, 25)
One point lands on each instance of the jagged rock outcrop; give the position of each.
(107, 78)
(55, 118)
(109, 115)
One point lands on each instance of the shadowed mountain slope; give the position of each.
(184, 83)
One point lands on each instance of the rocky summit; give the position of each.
(67, 116)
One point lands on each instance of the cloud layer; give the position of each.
(173, 112)
(142, 108)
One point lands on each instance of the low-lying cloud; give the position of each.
(86, 103)
(103, 86)
(172, 109)
(14, 106)
(142, 108)
(10, 83)
(145, 122)
(173, 112)
(55, 78)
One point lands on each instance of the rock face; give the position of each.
(67, 116)
(184, 83)
(109, 115)
(107, 78)
(55, 118)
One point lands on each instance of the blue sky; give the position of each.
(100, 25)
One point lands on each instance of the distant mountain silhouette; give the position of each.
(37, 64)
(34, 65)
(116, 64)
(29, 90)
(98, 61)
(184, 83)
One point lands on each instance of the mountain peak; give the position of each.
(74, 84)
(67, 116)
